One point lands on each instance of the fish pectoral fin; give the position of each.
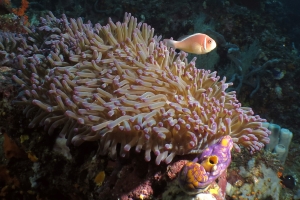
(197, 49)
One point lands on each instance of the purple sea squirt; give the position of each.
(196, 176)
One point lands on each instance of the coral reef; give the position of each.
(53, 170)
(245, 72)
(280, 140)
(13, 19)
(22, 9)
(260, 183)
(11, 149)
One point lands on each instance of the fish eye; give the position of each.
(209, 41)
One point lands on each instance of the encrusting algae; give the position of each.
(121, 85)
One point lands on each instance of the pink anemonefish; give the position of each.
(197, 43)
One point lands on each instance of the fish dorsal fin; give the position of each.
(183, 37)
(186, 36)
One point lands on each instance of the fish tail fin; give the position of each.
(170, 43)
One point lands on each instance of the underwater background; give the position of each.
(257, 50)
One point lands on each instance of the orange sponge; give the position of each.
(21, 10)
(11, 149)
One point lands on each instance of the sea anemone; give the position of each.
(120, 84)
